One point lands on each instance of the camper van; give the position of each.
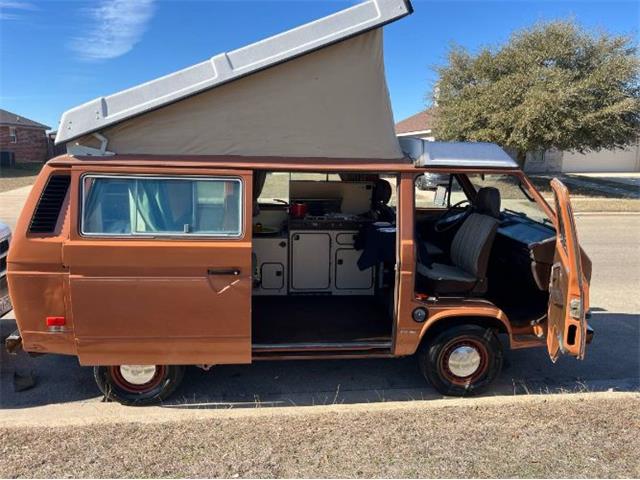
(258, 206)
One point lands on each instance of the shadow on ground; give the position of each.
(612, 363)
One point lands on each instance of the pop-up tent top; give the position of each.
(318, 90)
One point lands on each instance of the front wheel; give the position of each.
(461, 360)
(138, 384)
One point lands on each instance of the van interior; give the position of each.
(324, 254)
(313, 287)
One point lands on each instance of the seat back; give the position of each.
(382, 192)
(472, 243)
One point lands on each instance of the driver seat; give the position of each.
(470, 251)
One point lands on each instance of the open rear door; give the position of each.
(566, 325)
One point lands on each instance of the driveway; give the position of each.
(613, 360)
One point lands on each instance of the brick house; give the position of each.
(26, 138)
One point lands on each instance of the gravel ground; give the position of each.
(586, 435)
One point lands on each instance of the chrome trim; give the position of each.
(163, 236)
(464, 361)
(318, 346)
(138, 374)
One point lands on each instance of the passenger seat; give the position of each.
(470, 250)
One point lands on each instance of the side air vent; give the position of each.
(46, 215)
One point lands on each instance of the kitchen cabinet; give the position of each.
(326, 262)
(271, 265)
(310, 261)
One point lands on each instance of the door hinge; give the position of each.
(575, 308)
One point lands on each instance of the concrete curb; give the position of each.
(89, 413)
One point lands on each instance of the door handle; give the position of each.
(223, 271)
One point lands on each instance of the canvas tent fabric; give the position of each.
(330, 103)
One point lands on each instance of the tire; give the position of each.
(471, 346)
(162, 382)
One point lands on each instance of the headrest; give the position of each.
(382, 192)
(488, 201)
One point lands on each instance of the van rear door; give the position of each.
(159, 265)
(568, 289)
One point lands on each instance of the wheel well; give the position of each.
(448, 322)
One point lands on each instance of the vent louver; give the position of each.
(46, 215)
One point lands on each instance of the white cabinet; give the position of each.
(347, 274)
(325, 261)
(310, 261)
(272, 263)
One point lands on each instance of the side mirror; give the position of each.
(440, 198)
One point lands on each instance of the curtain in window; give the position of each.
(153, 211)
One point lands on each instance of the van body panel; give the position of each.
(151, 300)
(37, 278)
(168, 299)
(568, 293)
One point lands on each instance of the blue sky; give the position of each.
(57, 54)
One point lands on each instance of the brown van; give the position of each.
(258, 206)
(140, 266)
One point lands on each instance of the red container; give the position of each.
(298, 210)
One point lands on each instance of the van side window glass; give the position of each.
(161, 206)
(275, 189)
(437, 190)
(512, 197)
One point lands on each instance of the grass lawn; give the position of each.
(20, 176)
(547, 436)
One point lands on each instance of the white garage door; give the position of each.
(627, 160)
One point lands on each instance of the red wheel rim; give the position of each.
(456, 344)
(121, 382)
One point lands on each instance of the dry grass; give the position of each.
(20, 176)
(589, 435)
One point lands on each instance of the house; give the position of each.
(22, 140)
(618, 160)
(418, 125)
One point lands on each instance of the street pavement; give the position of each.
(612, 361)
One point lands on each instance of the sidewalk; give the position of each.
(11, 203)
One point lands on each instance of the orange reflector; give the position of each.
(56, 321)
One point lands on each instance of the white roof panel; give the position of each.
(225, 67)
(455, 154)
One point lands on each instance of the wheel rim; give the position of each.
(464, 360)
(137, 378)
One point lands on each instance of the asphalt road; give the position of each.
(613, 359)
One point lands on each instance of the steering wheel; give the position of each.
(450, 218)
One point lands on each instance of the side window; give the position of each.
(437, 190)
(155, 206)
(512, 196)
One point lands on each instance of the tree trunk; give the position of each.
(521, 158)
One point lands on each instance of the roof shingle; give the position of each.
(9, 118)
(416, 123)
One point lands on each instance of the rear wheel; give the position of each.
(461, 360)
(138, 384)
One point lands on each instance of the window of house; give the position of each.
(13, 135)
(156, 206)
